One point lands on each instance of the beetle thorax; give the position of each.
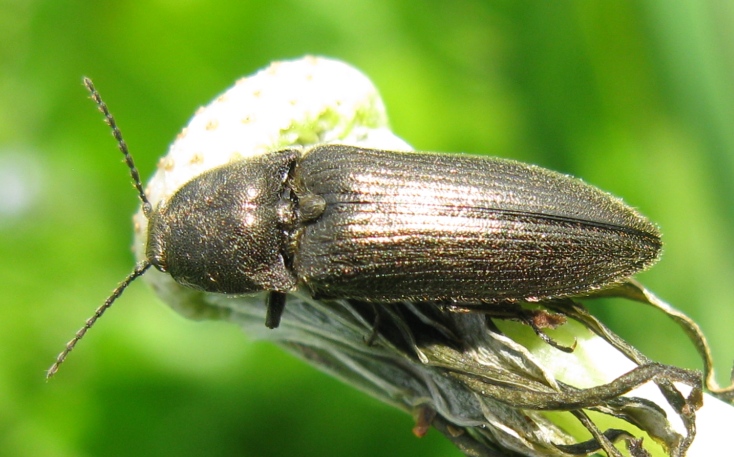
(222, 231)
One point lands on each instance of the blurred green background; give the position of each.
(636, 98)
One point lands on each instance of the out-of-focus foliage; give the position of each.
(635, 98)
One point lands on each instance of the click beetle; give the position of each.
(386, 226)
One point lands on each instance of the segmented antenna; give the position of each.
(138, 271)
(147, 210)
(110, 120)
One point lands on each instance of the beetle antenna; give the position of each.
(110, 120)
(138, 271)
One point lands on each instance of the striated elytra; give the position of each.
(386, 226)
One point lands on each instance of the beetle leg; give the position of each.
(375, 326)
(275, 303)
(536, 319)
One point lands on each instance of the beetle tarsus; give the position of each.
(540, 319)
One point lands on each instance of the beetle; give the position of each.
(387, 226)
